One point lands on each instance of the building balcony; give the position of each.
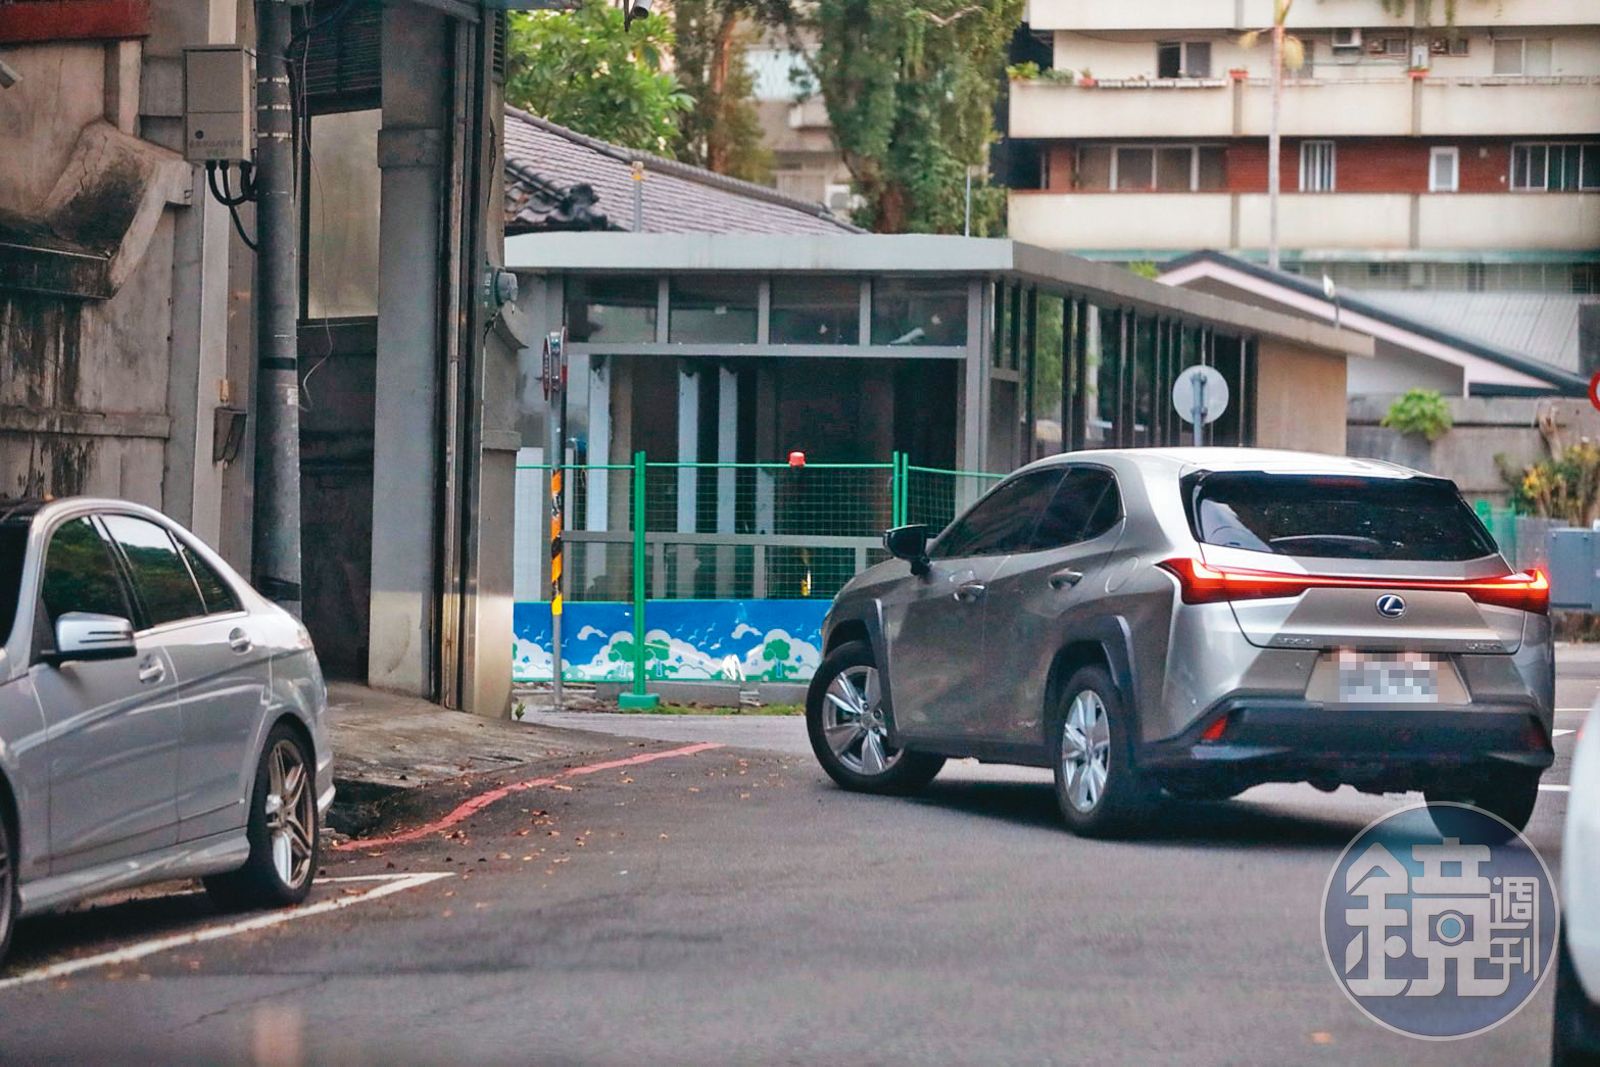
(1130, 109)
(1357, 222)
(1095, 15)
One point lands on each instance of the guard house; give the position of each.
(908, 370)
(967, 353)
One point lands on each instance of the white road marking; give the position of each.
(1573, 710)
(1553, 788)
(1562, 733)
(394, 883)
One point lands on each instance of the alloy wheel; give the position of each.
(7, 889)
(1086, 750)
(855, 724)
(291, 813)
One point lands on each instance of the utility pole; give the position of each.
(277, 472)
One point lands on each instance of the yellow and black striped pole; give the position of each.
(555, 385)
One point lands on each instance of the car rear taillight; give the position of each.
(1202, 583)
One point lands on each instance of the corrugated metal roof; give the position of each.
(1541, 326)
(546, 163)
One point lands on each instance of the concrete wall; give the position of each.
(114, 394)
(1300, 399)
(1486, 432)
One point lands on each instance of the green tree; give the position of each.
(910, 87)
(722, 131)
(582, 69)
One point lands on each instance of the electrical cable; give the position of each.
(226, 197)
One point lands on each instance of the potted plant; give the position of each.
(1086, 78)
(1239, 74)
(1418, 73)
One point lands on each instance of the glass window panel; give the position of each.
(919, 311)
(219, 597)
(1213, 169)
(1317, 167)
(1442, 178)
(815, 311)
(1079, 510)
(1508, 56)
(1169, 59)
(79, 574)
(13, 549)
(620, 310)
(1198, 60)
(1571, 162)
(1538, 173)
(1001, 522)
(1094, 167)
(713, 309)
(1135, 168)
(342, 231)
(165, 586)
(1175, 169)
(1590, 168)
(1536, 56)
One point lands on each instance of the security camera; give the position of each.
(9, 75)
(634, 9)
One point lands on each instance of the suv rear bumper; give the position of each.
(1379, 746)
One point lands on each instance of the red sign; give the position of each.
(1594, 389)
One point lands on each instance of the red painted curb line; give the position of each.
(476, 804)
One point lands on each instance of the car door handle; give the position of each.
(970, 592)
(239, 641)
(152, 671)
(1066, 578)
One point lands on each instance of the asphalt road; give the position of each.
(731, 905)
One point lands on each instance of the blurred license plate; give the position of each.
(1403, 678)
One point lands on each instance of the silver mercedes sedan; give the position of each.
(1193, 622)
(159, 719)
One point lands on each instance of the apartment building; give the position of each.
(1416, 155)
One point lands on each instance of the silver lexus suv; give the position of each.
(1190, 623)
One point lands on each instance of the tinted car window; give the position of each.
(1003, 521)
(160, 576)
(80, 573)
(13, 550)
(1336, 516)
(1085, 505)
(218, 597)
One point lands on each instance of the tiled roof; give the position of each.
(559, 179)
(1541, 325)
(1561, 379)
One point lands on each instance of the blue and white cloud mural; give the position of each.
(685, 640)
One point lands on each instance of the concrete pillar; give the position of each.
(727, 477)
(405, 466)
(597, 513)
(766, 448)
(688, 477)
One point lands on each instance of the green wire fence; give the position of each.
(646, 531)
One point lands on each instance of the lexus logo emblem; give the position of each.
(1391, 606)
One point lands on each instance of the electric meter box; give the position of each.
(1575, 569)
(219, 104)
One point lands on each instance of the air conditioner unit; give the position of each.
(1347, 38)
(840, 200)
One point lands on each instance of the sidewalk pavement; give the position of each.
(398, 742)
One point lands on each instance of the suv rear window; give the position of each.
(1335, 516)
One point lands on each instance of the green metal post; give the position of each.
(638, 700)
(898, 491)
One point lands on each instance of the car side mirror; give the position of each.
(909, 543)
(84, 635)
